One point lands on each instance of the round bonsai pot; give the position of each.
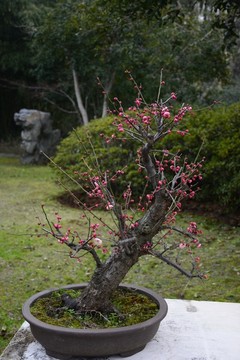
(67, 343)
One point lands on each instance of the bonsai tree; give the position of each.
(137, 228)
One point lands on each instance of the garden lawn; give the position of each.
(29, 263)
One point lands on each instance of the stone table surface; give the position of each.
(192, 330)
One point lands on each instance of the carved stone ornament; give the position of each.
(37, 135)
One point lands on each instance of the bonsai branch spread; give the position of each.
(141, 225)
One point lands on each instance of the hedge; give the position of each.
(215, 132)
(221, 135)
(75, 155)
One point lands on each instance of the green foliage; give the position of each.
(40, 42)
(102, 39)
(183, 48)
(75, 155)
(13, 43)
(221, 137)
(226, 12)
(95, 40)
(17, 21)
(217, 133)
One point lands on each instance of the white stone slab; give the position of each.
(192, 330)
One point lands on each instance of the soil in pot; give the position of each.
(131, 308)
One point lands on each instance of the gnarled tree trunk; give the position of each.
(110, 274)
(106, 280)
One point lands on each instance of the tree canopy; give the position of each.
(74, 53)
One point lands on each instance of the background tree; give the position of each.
(80, 42)
(62, 47)
(17, 21)
(14, 59)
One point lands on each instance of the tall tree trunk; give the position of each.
(81, 107)
(106, 94)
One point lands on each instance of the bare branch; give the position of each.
(181, 231)
(64, 172)
(190, 275)
(75, 247)
(94, 254)
(59, 107)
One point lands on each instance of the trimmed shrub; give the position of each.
(75, 155)
(216, 133)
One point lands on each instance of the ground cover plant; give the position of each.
(31, 264)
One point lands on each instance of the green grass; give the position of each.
(29, 264)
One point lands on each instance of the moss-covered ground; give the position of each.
(29, 264)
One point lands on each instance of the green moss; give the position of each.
(132, 308)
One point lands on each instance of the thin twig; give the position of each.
(159, 255)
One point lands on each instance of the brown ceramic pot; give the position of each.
(65, 343)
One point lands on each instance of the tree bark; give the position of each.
(106, 280)
(110, 274)
(81, 107)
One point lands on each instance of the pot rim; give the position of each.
(32, 320)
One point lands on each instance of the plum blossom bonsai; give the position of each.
(140, 229)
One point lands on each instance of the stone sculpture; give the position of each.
(37, 135)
